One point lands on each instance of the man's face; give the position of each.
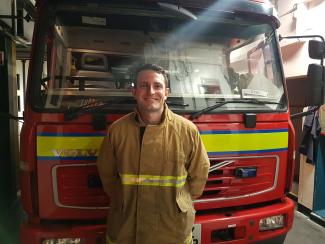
(150, 92)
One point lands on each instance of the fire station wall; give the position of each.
(300, 17)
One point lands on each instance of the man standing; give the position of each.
(152, 165)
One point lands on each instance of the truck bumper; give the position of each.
(242, 226)
(39, 233)
(236, 227)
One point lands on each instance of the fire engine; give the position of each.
(226, 75)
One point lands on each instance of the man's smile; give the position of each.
(151, 98)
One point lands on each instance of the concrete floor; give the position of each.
(305, 231)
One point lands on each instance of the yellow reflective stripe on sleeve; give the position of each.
(189, 239)
(153, 180)
(108, 241)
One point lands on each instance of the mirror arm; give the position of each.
(302, 114)
(305, 36)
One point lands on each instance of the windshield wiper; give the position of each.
(220, 104)
(73, 113)
(169, 103)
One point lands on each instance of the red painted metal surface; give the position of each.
(291, 157)
(234, 188)
(90, 234)
(72, 189)
(205, 118)
(246, 222)
(77, 200)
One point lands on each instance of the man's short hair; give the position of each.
(154, 67)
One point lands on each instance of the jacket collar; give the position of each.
(166, 116)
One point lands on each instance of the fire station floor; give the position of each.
(305, 231)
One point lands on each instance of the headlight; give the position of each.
(63, 241)
(271, 223)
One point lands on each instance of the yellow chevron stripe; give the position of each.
(245, 142)
(50, 145)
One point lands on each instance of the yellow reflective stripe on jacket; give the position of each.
(153, 180)
(189, 239)
(108, 241)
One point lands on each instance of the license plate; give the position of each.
(196, 231)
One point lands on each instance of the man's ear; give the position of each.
(133, 90)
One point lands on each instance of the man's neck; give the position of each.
(153, 118)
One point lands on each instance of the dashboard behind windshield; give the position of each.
(93, 59)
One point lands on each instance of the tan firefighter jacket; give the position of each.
(151, 183)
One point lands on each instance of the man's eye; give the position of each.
(143, 85)
(158, 86)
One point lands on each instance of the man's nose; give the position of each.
(151, 89)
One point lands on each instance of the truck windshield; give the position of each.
(92, 58)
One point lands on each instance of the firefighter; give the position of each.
(152, 164)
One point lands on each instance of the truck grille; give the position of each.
(224, 182)
(78, 186)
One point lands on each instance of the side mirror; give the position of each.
(315, 79)
(316, 49)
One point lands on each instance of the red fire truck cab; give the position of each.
(226, 75)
